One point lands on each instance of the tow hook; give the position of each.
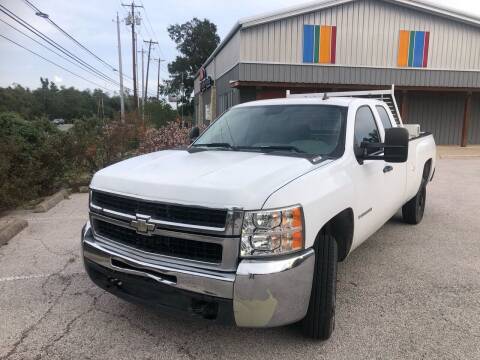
(208, 310)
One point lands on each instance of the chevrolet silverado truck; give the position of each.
(247, 224)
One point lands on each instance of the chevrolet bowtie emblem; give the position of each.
(142, 225)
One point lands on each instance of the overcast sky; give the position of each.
(91, 22)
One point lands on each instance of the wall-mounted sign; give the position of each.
(206, 81)
(413, 48)
(319, 44)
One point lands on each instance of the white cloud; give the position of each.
(57, 79)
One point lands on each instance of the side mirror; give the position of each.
(194, 133)
(395, 147)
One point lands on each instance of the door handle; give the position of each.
(387, 168)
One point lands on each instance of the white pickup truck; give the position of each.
(248, 223)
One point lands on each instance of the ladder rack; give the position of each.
(387, 96)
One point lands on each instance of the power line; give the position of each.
(150, 24)
(55, 44)
(54, 63)
(160, 53)
(49, 49)
(68, 35)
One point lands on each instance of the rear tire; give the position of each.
(319, 322)
(413, 210)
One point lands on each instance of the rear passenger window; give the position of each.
(384, 117)
(366, 128)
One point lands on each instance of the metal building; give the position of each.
(430, 53)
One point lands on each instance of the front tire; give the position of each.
(319, 322)
(413, 210)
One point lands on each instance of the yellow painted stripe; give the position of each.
(403, 44)
(325, 44)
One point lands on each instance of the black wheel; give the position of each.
(413, 210)
(319, 322)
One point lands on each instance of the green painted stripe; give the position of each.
(317, 44)
(411, 48)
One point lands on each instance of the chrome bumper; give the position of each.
(265, 293)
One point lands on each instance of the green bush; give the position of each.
(32, 161)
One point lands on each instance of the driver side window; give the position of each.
(366, 129)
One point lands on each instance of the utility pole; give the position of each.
(142, 101)
(183, 95)
(136, 69)
(122, 104)
(133, 19)
(158, 77)
(150, 42)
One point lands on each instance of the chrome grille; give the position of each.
(160, 244)
(162, 211)
(165, 232)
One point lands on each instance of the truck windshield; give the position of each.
(297, 129)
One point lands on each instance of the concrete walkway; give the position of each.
(409, 292)
(457, 152)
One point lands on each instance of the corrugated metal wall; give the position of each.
(440, 114)
(229, 56)
(367, 35)
(474, 129)
(312, 74)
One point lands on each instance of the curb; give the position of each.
(465, 156)
(12, 227)
(51, 201)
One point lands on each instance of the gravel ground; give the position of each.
(409, 292)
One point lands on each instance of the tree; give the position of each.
(52, 102)
(196, 40)
(159, 112)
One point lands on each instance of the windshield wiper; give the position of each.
(220, 145)
(274, 148)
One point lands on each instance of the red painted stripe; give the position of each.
(425, 49)
(333, 43)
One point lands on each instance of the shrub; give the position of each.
(32, 162)
(169, 136)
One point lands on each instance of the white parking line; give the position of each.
(22, 277)
(34, 276)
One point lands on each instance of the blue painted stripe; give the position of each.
(308, 43)
(418, 52)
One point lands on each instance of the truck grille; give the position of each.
(161, 211)
(158, 244)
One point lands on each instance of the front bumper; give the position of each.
(261, 293)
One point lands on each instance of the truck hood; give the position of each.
(222, 179)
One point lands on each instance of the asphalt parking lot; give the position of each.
(409, 292)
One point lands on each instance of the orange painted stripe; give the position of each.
(403, 44)
(325, 44)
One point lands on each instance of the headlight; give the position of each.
(270, 232)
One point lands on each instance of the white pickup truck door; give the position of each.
(371, 207)
(395, 174)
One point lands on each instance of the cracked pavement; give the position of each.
(409, 292)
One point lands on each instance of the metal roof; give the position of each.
(421, 5)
